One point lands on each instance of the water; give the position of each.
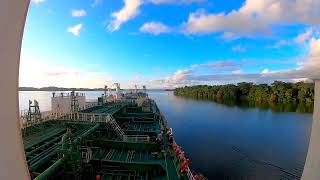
(228, 142)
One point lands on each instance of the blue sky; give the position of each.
(169, 43)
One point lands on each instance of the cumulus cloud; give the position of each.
(78, 12)
(131, 9)
(154, 28)
(255, 17)
(308, 69)
(75, 30)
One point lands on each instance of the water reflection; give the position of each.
(275, 107)
(236, 141)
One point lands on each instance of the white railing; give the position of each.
(86, 117)
(190, 174)
(137, 138)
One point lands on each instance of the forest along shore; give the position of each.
(279, 96)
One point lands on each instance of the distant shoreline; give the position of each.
(61, 90)
(58, 89)
(281, 95)
(53, 89)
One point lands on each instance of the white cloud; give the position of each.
(307, 70)
(38, 1)
(180, 74)
(239, 48)
(304, 36)
(75, 30)
(131, 9)
(154, 28)
(255, 17)
(78, 12)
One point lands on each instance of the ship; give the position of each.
(120, 135)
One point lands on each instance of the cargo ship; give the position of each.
(121, 135)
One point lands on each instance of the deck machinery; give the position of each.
(121, 139)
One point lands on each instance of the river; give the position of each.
(226, 142)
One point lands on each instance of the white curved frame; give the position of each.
(12, 158)
(312, 166)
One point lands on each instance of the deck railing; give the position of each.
(190, 174)
(137, 138)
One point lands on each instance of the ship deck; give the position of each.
(126, 148)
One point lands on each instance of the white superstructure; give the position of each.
(67, 102)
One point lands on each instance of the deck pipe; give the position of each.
(43, 146)
(53, 168)
(79, 138)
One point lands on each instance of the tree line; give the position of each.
(276, 93)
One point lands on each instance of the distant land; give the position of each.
(53, 88)
(280, 96)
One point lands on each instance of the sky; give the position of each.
(169, 43)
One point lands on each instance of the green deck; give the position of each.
(111, 158)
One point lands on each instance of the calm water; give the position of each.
(228, 142)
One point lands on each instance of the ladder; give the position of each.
(113, 123)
